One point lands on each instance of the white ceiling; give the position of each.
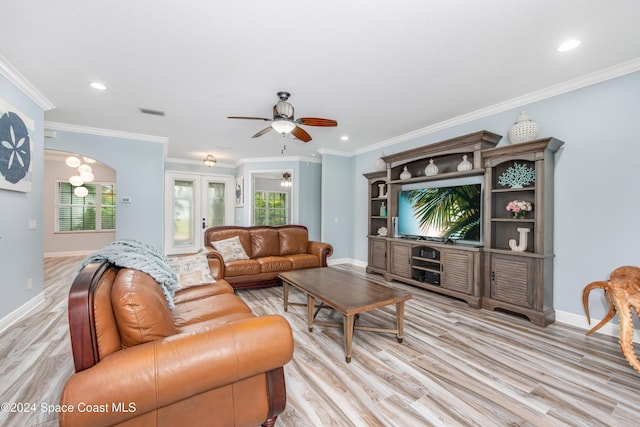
(381, 68)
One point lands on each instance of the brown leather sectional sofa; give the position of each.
(270, 251)
(207, 362)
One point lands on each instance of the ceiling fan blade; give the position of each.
(262, 132)
(314, 121)
(249, 118)
(301, 134)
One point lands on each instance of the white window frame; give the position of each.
(98, 207)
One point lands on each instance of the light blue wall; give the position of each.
(596, 182)
(337, 202)
(139, 167)
(20, 248)
(309, 196)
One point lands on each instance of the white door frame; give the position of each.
(200, 190)
(249, 189)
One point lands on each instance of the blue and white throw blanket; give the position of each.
(139, 256)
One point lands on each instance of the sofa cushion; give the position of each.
(293, 240)
(299, 261)
(264, 242)
(274, 263)
(191, 270)
(241, 268)
(203, 291)
(191, 312)
(231, 249)
(213, 323)
(140, 308)
(216, 234)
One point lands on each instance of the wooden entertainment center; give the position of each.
(493, 275)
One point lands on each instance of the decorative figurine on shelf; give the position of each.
(405, 174)
(622, 292)
(431, 169)
(382, 231)
(383, 210)
(465, 165)
(523, 130)
(517, 176)
(522, 245)
(381, 164)
(381, 191)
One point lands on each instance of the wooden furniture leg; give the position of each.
(271, 422)
(400, 320)
(285, 294)
(310, 302)
(348, 320)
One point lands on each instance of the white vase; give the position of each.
(381, 164)
(523, 130)
(431, 169)
(405, 174)
(465, 165)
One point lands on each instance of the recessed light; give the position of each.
(97, 85)
(568, 45)
(344, 138)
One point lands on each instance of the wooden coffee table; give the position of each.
(347, 294)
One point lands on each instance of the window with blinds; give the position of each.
(94, 212)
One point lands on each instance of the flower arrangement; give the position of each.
(518, 208)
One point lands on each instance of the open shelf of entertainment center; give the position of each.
(453, 270)
(520, 280)
(378, 194)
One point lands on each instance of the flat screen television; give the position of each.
(441, 211)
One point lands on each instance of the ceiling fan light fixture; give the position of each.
(210, 161)
(283, 126)
(286, 180)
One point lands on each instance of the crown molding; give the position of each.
(197, 162)
(19, 81)
(334, 152)
(549, 92)
(66, 127)
(279, 159)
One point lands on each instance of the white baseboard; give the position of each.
(66, 254)
(352, 261)
(20, 312)
(580, 321)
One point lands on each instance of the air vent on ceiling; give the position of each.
(152, 112)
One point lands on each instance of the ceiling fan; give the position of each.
(284, 122)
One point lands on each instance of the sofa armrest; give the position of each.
(216, 263)
(321, 250)
(158, 373)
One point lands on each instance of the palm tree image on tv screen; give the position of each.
(445, 212)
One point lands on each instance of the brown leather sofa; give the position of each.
(270, 251)
(207, 362)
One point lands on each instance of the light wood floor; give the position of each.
(456, 367)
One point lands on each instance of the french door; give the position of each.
(194, 203)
